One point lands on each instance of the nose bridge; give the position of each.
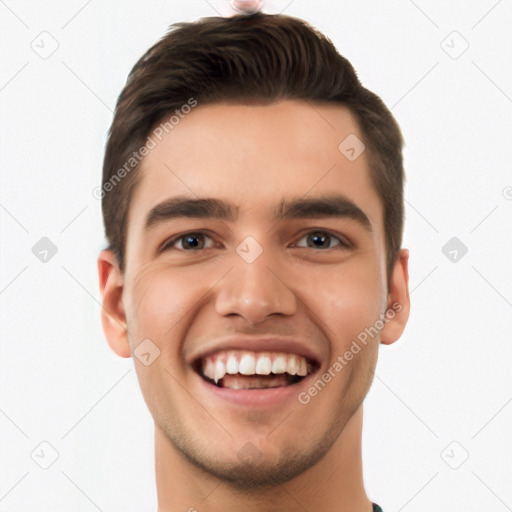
(255, 288)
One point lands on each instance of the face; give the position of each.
(256, 292)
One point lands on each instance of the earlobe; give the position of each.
(113, 316)
(398, 306)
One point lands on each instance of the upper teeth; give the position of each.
(253, 363)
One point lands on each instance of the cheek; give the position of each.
(163, 300)
(158, 301)
(347, 299)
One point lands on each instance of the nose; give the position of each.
(255, 291)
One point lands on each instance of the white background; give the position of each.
(448, 378)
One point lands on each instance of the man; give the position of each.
(253, 206)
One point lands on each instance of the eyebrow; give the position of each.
(335, 206)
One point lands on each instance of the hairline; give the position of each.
(375, 164)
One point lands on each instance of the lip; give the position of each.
(260, 344)
(270, 398)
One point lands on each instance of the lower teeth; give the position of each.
(256, 381)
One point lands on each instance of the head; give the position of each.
(258, 59)
(252, 114)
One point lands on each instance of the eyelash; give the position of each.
(168, 244)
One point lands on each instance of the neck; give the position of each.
(333, 483)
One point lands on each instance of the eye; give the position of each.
(197, 241)
(193, 241)
(322, 240)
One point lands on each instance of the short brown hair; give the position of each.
(246, 58)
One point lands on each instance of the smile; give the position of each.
(245, 370)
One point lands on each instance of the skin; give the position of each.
(254, 156)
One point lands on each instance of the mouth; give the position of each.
(248, 370)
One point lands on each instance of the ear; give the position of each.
(113, 317)
(398, 302)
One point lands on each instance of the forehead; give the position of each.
(255, 157)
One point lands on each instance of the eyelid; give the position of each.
(344, 242)
(169, 242)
